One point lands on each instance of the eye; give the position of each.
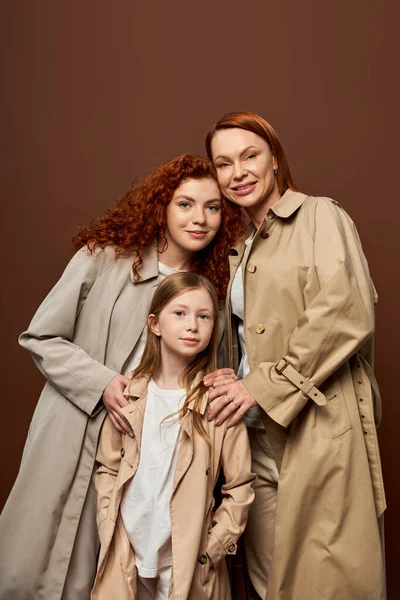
(184, 204)
(204, 316)
(250, 156)
(179, 313)
(214, 207)
(221, 165)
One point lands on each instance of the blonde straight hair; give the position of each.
(205, 362)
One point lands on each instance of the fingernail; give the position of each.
(217, 422)
(205, 381)
(210, 417)
(131, 434)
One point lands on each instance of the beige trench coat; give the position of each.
(309, 322)
(198, 534)
(79, 338)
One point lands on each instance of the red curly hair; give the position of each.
(139, 219)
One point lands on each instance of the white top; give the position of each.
(253, 416)
(137, 352)
(146, 498)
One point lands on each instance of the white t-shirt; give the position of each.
(253, 416)
(137, 352)
(146, 499)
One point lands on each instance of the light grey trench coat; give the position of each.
(80, 337)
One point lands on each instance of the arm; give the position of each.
(109, 458)
(49, 337)
(332, 328)
(230, 518)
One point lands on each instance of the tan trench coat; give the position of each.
(79, 338)
(198, 534)
(309, 322)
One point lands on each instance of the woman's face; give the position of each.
(245, 168)
(193, 216)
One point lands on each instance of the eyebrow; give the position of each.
(194, 200)
(241, 154)
(185, 306)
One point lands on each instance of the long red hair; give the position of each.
(139, 219)
(256, 124)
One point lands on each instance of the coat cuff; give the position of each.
(219, 547)
(94, 402)
(303, 383)
(281, 391)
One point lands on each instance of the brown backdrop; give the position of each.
(98, 92)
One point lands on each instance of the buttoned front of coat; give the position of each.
(308, 326)
(198, 534)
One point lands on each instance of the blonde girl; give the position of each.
(159, 535)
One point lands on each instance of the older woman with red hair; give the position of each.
(85, 337)
(300, 324)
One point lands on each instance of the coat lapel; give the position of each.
(135, 305)
(185, 455)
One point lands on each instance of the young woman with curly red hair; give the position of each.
(87, 334)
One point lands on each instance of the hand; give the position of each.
(114, 400)
(220, 376)
(234, 400)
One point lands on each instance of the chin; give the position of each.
(196, 247)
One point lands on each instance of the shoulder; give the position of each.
(100, 260)
(323, 211)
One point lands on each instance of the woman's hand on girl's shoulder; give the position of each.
(219, 376)
(233, 399)
(114, 400)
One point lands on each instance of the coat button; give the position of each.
(260, 329)
(203, 559)
(251, 268)
(264, 234)
(122, 451)
(231, 548)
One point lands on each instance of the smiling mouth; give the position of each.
(199, 233)
(243, 187)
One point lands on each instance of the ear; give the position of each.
(274, 163)
(152, 323)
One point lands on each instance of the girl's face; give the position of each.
(245, 168)
(185, 324)
(193, 216)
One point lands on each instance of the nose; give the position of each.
(191, 324)
(199, 215)
(238, 170)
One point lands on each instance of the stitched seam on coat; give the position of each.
(79, 377)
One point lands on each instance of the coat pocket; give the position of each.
(335, 415)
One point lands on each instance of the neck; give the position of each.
(258, 213)
(175, 258)
(172, 367)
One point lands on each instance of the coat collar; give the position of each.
(138, 386)
(149, 266)
(288, 204)
(284, 208)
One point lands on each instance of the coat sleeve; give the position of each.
(230, 518)
(49, 337)
(108, 458)
(332, 327)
